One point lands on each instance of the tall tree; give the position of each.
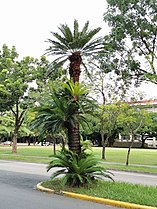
(108, 123)
(132, 119)
(15, 79)
(74, 46)
(133, 37)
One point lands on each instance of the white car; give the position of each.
(152, 142)
(7, 143)
(44, 144)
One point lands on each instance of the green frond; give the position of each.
(66, 32)
(84, 30)
(76, 30)
(93, 46)
(57, 45)
(79, 169)
(70, 42)
(75, 89)
(63, 40)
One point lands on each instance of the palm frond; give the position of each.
(84, 30)
(74, 41)
(76, 30)
(66, 32)
(63, 40)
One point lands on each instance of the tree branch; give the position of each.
(13, 111)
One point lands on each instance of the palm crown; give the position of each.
(70, 42)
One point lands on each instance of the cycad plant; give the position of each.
(73, 45)
(77, 170)
(59, 113)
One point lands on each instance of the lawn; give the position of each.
(137, 156)
(140, 159)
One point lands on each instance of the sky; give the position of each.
(27, 24)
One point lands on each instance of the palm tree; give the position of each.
(73, 46)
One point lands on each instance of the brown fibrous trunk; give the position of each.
(73, 132)
(74, 69)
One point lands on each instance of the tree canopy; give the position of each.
(133, 37)
(16, 76)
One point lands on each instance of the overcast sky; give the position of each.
(26, 24)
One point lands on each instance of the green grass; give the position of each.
(137, 156)
(27, 154)
(133, 193)
(25, 158)
(131, 168)
(115, 157)
(29, 150)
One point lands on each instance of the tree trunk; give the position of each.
(14, 144)
(73, 132)
(18, 122)
(103, 146)
(143, 139)
(74, 69)
(104, 143)
(74, 139)
(63, 142)
(129, 150)
(54, 146)
(14, 139)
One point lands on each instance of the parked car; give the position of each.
(7, 143)
(151, 141)
(44, 144)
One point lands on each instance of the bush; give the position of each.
(78, 170)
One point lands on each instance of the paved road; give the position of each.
(40, 169)
(17, 182)
(136, 178)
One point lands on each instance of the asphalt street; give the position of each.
(135, 178)
(17, 189)
(40, 169)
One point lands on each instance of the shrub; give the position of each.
(78, 170)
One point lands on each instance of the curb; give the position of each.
(116, 203)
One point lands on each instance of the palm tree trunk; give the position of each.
(74, 69)
(74, 139)
(73, 132)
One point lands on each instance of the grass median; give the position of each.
(132, 193)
